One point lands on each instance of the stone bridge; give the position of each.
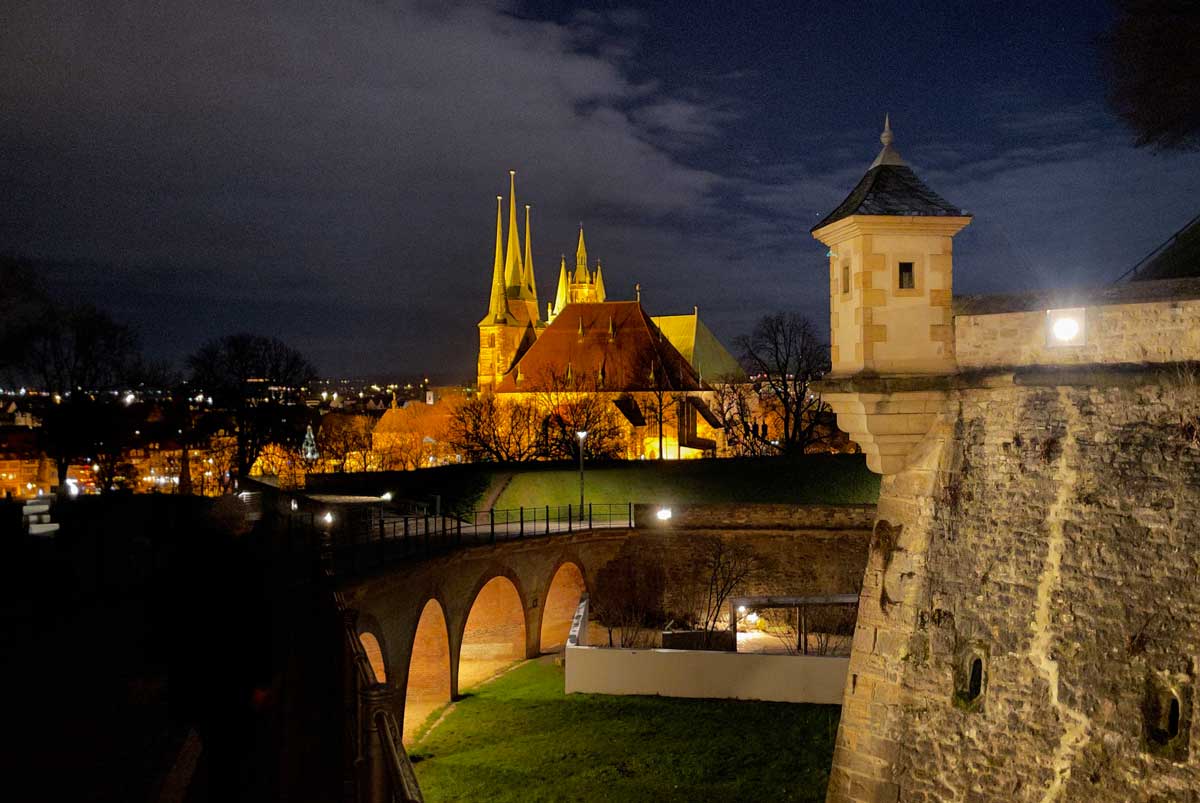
(435, 627)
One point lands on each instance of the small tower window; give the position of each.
(907, 279)
(845, 279)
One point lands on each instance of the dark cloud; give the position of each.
(327, 173)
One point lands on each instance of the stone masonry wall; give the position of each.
(1050, 532)
(1162, 331)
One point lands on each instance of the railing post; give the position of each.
(376, 698)
(492, 523)
(522, 531)
(547, 519)
(589, 515)
(631, 515)
(570, 518)
(458, 529)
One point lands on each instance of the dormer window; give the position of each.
(845, 279)
(907, 278)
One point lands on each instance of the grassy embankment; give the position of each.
(519, 738)
(813, 479)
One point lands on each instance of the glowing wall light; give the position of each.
(1066, 327)
(664, 514)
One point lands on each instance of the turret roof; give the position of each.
(890, 187)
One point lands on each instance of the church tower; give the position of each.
(890, 270)
(581, 286)
(512, 320)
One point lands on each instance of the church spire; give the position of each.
(512, 262)
(560, 298)
(581, 271)
(599, 284)
(497, 306)
(528, 281)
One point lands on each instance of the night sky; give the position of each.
(327, 173)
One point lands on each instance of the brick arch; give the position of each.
(367, 629)
(494, 628)
(428, 683)
(563, 587)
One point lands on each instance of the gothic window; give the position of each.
(845, 279)
(907, 279)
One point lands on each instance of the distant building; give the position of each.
(589, 344)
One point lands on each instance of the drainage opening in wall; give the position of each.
(1166, 719)
(970, 679)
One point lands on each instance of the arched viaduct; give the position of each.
(436, 627)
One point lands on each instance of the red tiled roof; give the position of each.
(620, 361)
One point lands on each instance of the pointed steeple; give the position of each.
(512, 260)
(581, 271)
(561, 297)
(497, 305)
(599, 284)
(528, 282)
(889, 155)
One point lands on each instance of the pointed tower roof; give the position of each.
(599, 283)
(890, 187)
(560, 298)
(581, 271)
(512, 261)
(528, 281)
(497, 303)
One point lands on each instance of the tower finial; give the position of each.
(889, 155)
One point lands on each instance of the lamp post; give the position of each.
(582, 434)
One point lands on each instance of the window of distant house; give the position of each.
(907, 281)
(492, 341)
(845, 279)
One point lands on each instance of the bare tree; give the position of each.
(344, 441)
(783, 356)
(721, 566)
(628, 598)
(1153, 71)
(257, 379)
(572, 406)
(490, 429)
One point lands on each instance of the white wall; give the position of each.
(698, 673)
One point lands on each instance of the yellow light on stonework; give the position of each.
(1066, 327)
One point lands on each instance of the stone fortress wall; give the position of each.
(1029, 623)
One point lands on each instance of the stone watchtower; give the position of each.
(890, 276)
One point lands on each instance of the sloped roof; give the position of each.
(699, 346)
(891, 189)
(619, 347)
(1178, 258)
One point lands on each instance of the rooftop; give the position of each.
(890, 187)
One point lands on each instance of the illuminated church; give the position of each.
(592, 344)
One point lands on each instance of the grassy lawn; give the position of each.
(813, 479)
(519, 738)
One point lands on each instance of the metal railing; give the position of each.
(361, 544)
(380, 769)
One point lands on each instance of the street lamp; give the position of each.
(582, 434)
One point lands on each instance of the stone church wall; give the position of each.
(1029, 624)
